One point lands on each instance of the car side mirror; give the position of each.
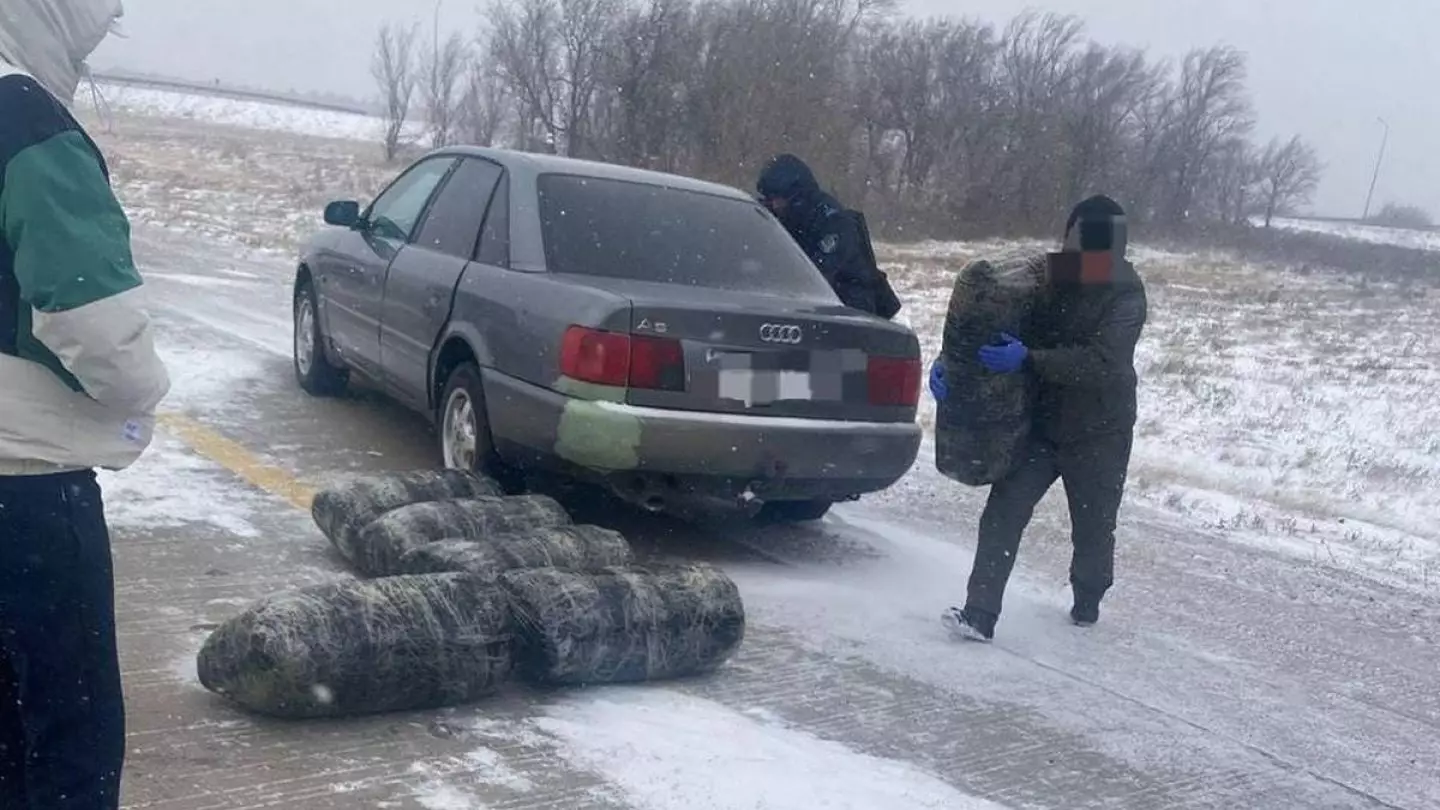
(344, 213)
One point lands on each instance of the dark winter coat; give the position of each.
(1082, 342)
(828, 234)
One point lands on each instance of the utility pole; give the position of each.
(1378, 158)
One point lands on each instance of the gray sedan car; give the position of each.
(658, 335)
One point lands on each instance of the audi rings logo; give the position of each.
(781, 333)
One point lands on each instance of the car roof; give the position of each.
(534, 164)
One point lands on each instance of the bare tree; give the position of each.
(1289, 174)
(933, 123)
(393, 67)
(444, 67)
(482, 104)
(1209, 109)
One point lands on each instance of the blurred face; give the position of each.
(777, 205)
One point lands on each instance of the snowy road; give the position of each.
(1221, 675)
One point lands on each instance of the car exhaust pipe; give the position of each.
(650, 493)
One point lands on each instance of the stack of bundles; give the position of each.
(362, 647)
(625, 624)
(982, 427)
(574, 548)
(381, 545)
(342, 512)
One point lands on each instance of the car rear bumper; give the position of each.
(718, 455)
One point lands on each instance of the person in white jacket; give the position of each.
(79, 384)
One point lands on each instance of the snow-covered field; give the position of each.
(148, 101)
(1400, 237)
(1293, 411)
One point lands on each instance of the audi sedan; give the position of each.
(658, 335)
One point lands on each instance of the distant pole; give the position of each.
(438, 4)
(1365, 217)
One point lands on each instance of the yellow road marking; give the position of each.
(237, 459)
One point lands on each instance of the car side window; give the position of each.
(395, 212)
(495, 236)
(452, 225)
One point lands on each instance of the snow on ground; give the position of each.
(252, 114)
(1400, 237)
(1289, 410)
(1292, 411)
(666, 750)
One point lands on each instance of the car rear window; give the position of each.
(639, 231)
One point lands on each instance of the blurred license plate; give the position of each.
(763, 387)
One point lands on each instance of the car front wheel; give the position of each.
(313, 370)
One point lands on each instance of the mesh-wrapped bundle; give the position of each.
(982, 427)
(625, 624)
(342, 511)
(363, 646)
(575, 548)
(382, 543)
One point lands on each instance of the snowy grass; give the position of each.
(217, 109)
(1376, 234)
(1290, 409)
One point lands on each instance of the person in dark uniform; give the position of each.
(1081, 349)
(830, 235)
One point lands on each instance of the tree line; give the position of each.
(937, 127)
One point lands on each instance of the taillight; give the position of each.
(893, 381)
(592, 356)
(615, 359)
(657, 364)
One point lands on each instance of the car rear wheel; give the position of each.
(773, 512)
(465, 440)
(313, 370)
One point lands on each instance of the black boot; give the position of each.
(1086, 611)
(970, 624)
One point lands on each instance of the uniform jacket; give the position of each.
(79, 375)
(824, 230)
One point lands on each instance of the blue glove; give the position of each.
(1006, 358)
(938, 389)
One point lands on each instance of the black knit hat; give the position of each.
(1096, 216)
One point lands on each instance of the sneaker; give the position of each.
(969, 625)
(1086, 612)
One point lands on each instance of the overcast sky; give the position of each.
(1323, 68)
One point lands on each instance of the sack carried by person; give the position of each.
(983, 426)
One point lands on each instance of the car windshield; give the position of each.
(620, 229)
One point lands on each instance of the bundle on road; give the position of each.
(362, 647)
(624, 624)
(381, 544)
(983, 426)
(575, 548)
(344, 510)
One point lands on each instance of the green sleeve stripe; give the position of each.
(70, 238)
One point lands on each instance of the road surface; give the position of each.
(1220, 675)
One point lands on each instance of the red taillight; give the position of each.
(592, 356)
(657, 364)
(611, 358)
(894, 381)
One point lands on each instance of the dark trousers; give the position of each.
(1093, 472)
(62, 715)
